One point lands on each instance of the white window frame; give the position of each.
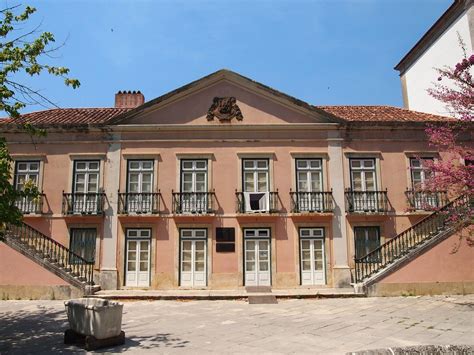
(421, 169)
(87, 172)
(363, 169)
(255, 169)
(308, 169)
(27, 204)
(28, 172)
(82, 202)
(194, 169)
(140, 171)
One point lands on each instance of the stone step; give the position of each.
(224, 294)
(270, 299)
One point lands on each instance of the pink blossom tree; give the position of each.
(455, 171)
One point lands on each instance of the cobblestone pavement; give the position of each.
(325, 326)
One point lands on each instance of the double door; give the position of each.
(257, 257)
(313, 271)
(137, 272)
(193, 258)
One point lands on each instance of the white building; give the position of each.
(439, 47)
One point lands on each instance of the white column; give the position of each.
(341, 270)
(108, 267)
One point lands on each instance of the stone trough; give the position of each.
(94, 323)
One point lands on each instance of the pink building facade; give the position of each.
(221, 184)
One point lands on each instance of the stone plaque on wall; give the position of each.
(225, 240)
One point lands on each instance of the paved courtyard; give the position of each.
(326, 326)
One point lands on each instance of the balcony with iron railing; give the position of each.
(84, 204)
(30, 205)
(257, 202)
(422, 200)
(131, 203)
(312, 202)
(366, 201)
(193, 203)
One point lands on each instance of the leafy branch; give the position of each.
(22, 53)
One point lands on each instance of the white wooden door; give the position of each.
(313, 270)
(138, 259)
(257, 258)
(193, 257)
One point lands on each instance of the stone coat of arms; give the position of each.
(225, 109)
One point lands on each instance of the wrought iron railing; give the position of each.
(139, 203)
(30, 205)
(83, 203)
(257, 202)
(193, 202)
(367, 201)
(56, 253)
(321, 201)
(426, 200)
(417, 234)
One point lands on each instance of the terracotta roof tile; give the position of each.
(381, 114)
(91, 116)
(68, 116)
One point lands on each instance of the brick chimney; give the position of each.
(129, 99)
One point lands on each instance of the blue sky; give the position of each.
(324, 52)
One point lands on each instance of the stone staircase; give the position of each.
(411, 243)
(51, 255)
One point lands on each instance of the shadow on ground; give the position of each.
(42, 331)
(158, 341)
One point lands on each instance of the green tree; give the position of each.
(22, 52)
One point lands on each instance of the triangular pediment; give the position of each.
(224, 97)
